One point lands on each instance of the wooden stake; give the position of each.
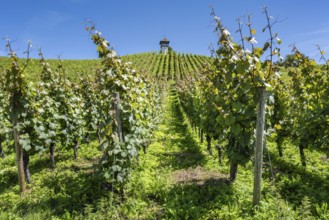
(19, 160)
(117, 126)
(259, 146)
(116, 114)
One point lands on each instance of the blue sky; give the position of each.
(134, 26)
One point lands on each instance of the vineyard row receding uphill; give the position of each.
(241, 99)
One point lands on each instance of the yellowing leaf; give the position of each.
(277, 126)
(109, 130)
(258, 51)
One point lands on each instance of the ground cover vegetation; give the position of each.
(239, 135)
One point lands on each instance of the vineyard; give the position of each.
(172, 66)
(240, 135)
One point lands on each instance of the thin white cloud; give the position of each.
(317, 32)
(307, 41)
(39, 26)
(312, 41)
(47, 20)
(309, 47)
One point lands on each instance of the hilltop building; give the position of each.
(164, 46)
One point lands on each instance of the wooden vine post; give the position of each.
(16, 107)
(2, 153)
(259, 145)
(261, 90)
(16, 88)
(19, 160)
(117, 125)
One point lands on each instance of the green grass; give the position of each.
(176, 179)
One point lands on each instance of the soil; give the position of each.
(199, 176)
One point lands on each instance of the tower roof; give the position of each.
(164, 41)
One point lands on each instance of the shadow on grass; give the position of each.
(69, 191)
(295, 182)
(192, 200)
(43, 162)
(8, 179)
(189, 153)
(70, 188)
(195, 190)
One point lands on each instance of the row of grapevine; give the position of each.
(228, 101)
(301, 107)
(115, 105)
(143, 64)
(169, 66)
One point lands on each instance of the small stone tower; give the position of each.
(164, 46)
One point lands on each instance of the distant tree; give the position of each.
(290, 61)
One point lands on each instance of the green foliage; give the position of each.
(138, 108)
(223, 101)
(74, 190)
(67, 102)
(171, 66)
(61, 112)
(74, 69)
(4, 117)
(90, 108)
(308, 104)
